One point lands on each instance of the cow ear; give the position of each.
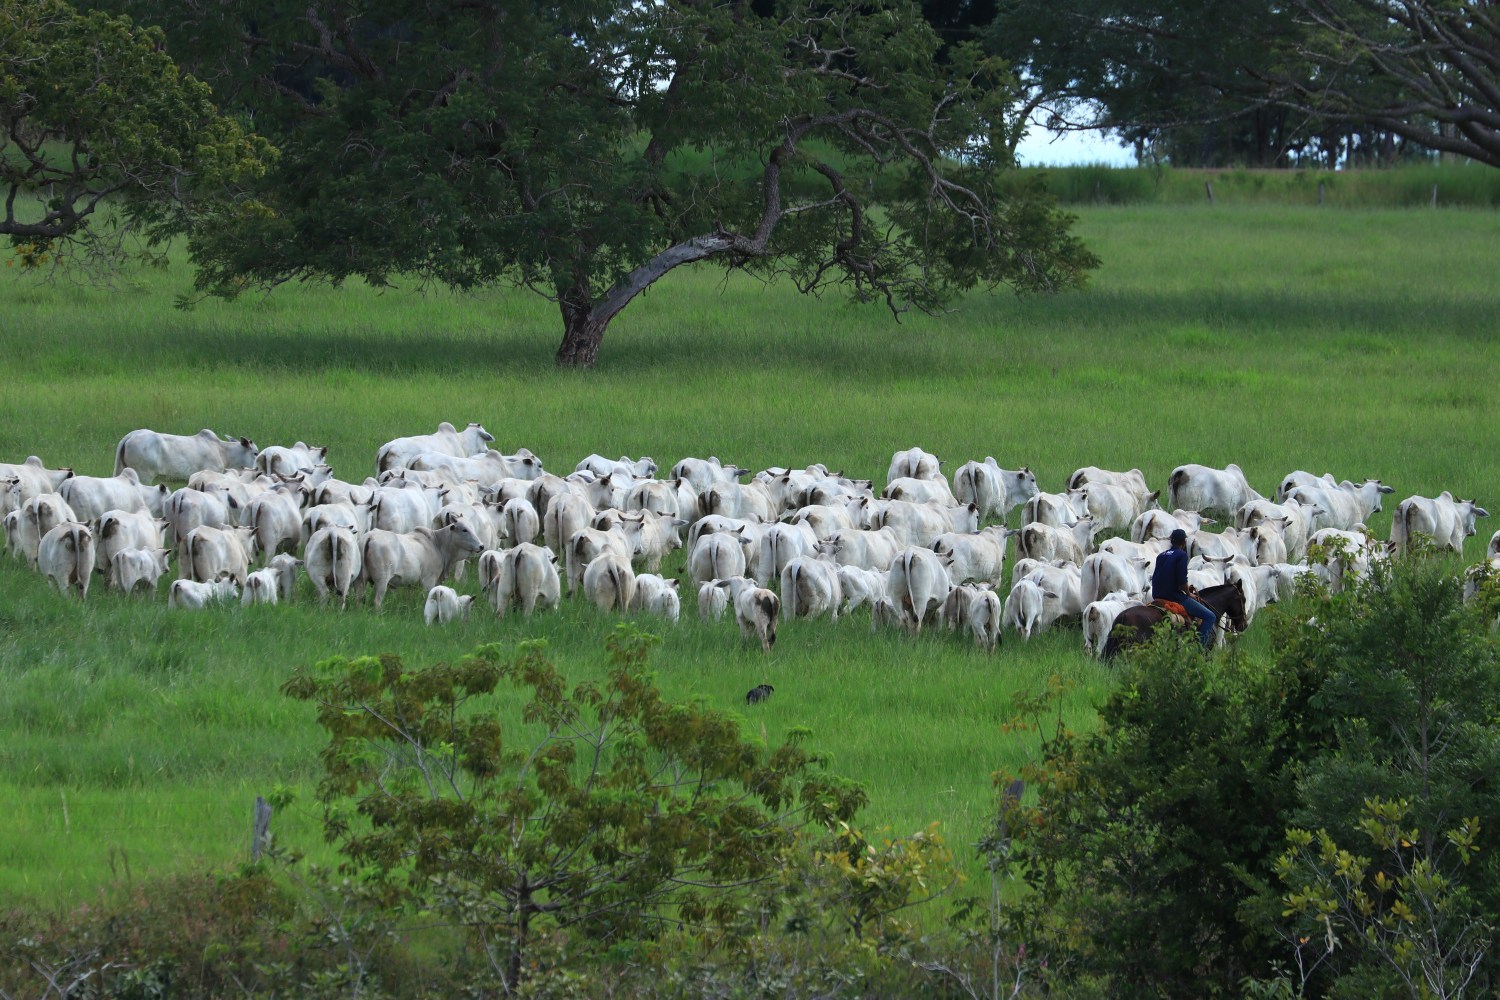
(1481, 512)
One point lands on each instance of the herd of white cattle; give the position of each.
(915, 553)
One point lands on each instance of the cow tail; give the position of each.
(618, 584)
(1173, 485)
(791, 591)
(120, 455)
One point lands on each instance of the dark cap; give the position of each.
(1178, 535)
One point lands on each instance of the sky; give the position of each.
(1043, 148)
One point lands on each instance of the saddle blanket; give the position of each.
(1174, 611)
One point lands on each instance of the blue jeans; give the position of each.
(1206, 619)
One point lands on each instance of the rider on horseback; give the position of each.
(1169, 583)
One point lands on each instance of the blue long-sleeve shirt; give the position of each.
(1169, 579)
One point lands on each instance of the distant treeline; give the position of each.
(1471, 186)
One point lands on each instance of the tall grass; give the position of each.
(1358, 342)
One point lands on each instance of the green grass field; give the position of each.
(1360, 342)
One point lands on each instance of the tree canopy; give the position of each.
(92, 114)
(585, 149)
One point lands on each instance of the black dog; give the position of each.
(758, 693)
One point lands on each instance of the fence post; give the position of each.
(1209, 187)
(1320, 193)
(260, 832)
(1434, 196)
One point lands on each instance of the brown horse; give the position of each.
(1140, 621)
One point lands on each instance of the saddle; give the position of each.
(1174, 611)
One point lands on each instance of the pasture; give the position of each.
(1355, 341)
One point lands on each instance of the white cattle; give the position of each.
(993, 490)
(525, 578)
(1024, 608)
(132, 567)
(1342, 506)
(39, 515)
(566, 514)
(237, 488)
(1209, 571)
(632, 468)
(422, 557)
(978, 611)
(174, 456)
(1158, 524)
(90, 496)
(276, 517)
(751, 500)
(780, 544)
(1219, 544)
(1283, 578)
(835, 492)
(260, 588)
(1299, 478)
(444, 605)
(712, 600)
(404, 508)
(658, 496)
(703, 473)
(919, 584)
(1292, 518)
(1209, 491)
(195, 596)
(1443, 519)
(355, 517)
(486, 467)
(586, 545)
(1099, 620)
(13, 546)
(866, 549)
(1113, 508)
(811, 587)
(934, 490)
(117, 530)
(519, 523)
(65, 555)
(1493, 551)
(652, 537)
(20, 482)
(189, 508)
(1147, 550)
(756, 610)
(823, 519)
(1043, 541)
(920, 524)
(1106, 572)
(1267, 545)
(657, 595)
(300, 459)
(861, 586)
(717, 557)
(547, 486)
(1055, 509)
(1062, 584)
(714, 523)
(978, 558)
(447, 440)
(884, 615)
(609, 582)
(338, 491)
(1133, 481)
(210, 554)
(334, 559)
(914, 463)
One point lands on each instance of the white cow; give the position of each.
(195, 596)
(117, 530)
(1064, 582)
(187, 508)
(1055, 509)
(1299, 478)
(21, 482)
(1043, 541)
(1113, 508)
(703, 473)
(866, 549)
(519, 523)
(525, 578)
(861, 586)
(276, 517)
(811, 587)
(174, 456)
(1133, 481)
(1293, 518)
(1209, 491)
(609, 582)
(1219, 544)
(995, 491)
(1106, 572)
(718, 556)
(91, 496)
(780, 544)
(1493, 551)
(65, 555)
(300, 459)
(566, 515)
(586, 545)
(1267, 545)
(920, 524)
(978, 558)
(823, 519)
(13, 546)
(486, 467)
(1099, 620)
(913, 463)
(1158, 524)
(422, 557)
(756, 610)
(132, 567)
(261, 588)
(934, 490)
(978, 611)
(713, 600)
(751, 500)
(652, 537)
(210, 554)
(1024, 608)
(632, 468)
(1442, 518)
(444, 605)
(404, 508)
(39, 515)
(334, 558)
(657, 595)
(447, 440)
(1342, 506)
(919, 584)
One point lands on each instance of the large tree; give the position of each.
(95, 116)
(585, 149)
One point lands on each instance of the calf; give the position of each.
(1024, 608)
(756, 610)
(192, 595)
(132, 567)
(260, 588)
(861, 586)
(657, 595)
(444, 605)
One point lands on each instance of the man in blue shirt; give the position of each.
(1169, 583)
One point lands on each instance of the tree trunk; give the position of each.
(582, 336)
